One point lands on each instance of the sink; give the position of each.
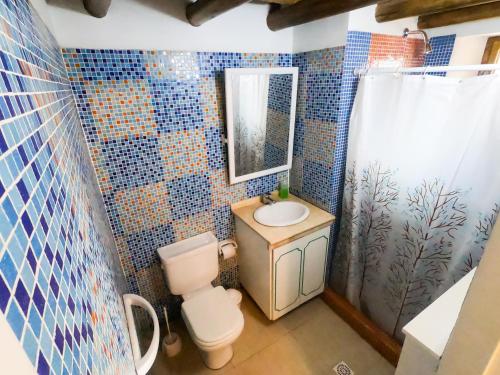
(281, 214)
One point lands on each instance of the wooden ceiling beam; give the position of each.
(280, 2)
(462, 15)
(310, 10)
(390, 10)
(202, 11)
(97, 8)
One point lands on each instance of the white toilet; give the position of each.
(212, 316)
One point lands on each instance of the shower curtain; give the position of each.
(422, 191)
(250, 125)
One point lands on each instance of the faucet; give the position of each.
(266, 199)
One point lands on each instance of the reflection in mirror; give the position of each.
(261, 122)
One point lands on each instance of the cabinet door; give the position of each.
(287, 262)
(314, 263)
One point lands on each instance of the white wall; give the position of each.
(44, 12)
(363, 19)
(468, 50)
(161, 24)
(324, 33)
(489, 26)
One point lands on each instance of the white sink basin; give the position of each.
(281, 214)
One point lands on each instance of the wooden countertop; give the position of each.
(278, 236)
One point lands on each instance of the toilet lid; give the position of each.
(212, 316)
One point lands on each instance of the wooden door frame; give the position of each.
(491, 53)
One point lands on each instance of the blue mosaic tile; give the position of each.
(323, 96)
(316, 185)
(133, 162)
(356, 56)
(261, 185)
(4, 295)
(280, 92)
(16, 320)
(143, 245)
(274, 156)
(177, 105)
(298, 141)
(51, 225)
(215, 148)
(319, 100)
(223, 219)
(189, 195)
(442, 48)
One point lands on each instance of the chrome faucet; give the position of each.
(266, 199)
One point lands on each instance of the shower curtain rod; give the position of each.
(426, 69)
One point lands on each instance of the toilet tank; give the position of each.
(190, 264)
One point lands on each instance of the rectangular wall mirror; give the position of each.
(260, 121)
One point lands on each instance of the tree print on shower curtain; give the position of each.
(421, 193)
(347, 235)
(434, 215)
(366, 223)
(379, 194)
(482, 231)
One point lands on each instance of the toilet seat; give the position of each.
(212, 318)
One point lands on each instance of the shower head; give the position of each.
(428, 48)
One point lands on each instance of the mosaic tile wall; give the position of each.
(59, 273)
(155, 127)
(318, 99)
(367, 49)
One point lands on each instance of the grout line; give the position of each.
(33, 78)
(37, 67)
(31, 25)
(49, 60)
(41, 127)
(15, 118)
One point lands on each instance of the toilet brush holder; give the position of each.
(171, 344)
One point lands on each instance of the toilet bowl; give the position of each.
(212, 315)
(214, 322)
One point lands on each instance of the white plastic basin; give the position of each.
(281, 214)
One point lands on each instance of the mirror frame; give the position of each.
(230, 73)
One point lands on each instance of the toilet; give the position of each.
(211, 314)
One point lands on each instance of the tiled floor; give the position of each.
(309, 340)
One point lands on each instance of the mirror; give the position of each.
(261, 117)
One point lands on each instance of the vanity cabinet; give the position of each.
(298, 271)
(282, 267)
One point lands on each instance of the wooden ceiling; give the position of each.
(287, 13)
(279, 2)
